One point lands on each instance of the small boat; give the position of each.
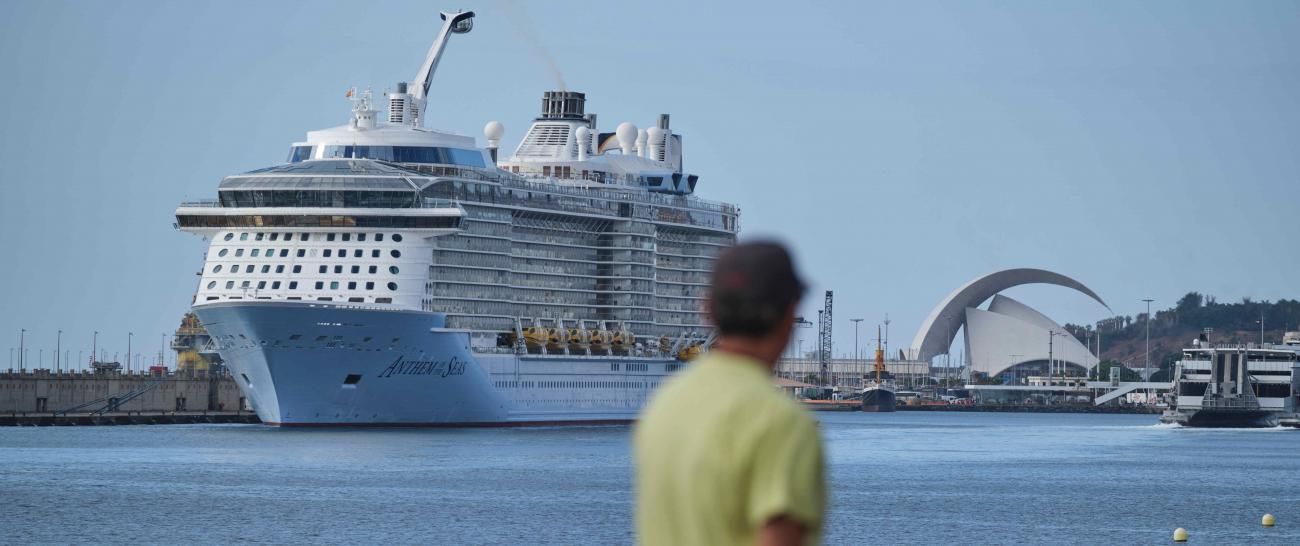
(879, 396)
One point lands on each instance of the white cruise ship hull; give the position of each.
(305, 364)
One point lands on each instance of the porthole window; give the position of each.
(244, 284)
(234, 269)
(395, 253)
(392, 286)
(374, 269)
(266, 269)
(230, 236)
(347, 237)
(284, 253)
(320, 285)
(293, 285)
(297, 269)
(352, 285)
(338, 269)
(259, 236)
(392, 269)
(243, 236)
(275, 285)
(288, 236)
(212, 284)
(275, 236)
(334, 285)
(329, 237)
(239, 252)
(374, 253)
(370, 286)
(302, 252)
(397, 237)
(217, 269)
(223, 252)
(324, 269)
(261, 285)
(361, 237)
(343, 252)
(379, 237)
(305, 237)
(270, 253)
(356, 269)
(255, 252)
(328, 253)
(230, 284)
(356, 253)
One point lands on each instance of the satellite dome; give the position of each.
(494, 130)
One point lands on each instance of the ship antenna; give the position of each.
(452, 23)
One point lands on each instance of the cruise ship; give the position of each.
(1229, 385)
(395, 275)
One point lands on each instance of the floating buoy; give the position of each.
(1268, 520)
(1180, 535)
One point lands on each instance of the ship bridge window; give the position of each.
(299, 153)
(408, 154)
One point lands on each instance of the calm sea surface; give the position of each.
(920, 478)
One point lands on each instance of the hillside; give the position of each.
(1122, 337)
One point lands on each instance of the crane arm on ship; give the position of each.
(452, 23)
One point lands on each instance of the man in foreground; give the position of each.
(722, 456)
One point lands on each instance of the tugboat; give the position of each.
(878, 396)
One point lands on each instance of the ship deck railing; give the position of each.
(551, 184)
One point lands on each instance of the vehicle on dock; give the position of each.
(1234, 386)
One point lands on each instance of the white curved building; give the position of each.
(1010, 333)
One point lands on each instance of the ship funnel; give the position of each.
(563, 105)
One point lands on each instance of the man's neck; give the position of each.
(746, 347)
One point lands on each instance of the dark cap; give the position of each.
(754, 285)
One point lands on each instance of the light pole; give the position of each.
(1261, 328)
(856, 321)
(129, 335)
(58, 346)
(94, 346)
(22, 348)
(1146, 368)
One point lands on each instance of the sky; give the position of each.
(901, 149)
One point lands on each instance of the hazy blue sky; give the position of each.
(1144, 148)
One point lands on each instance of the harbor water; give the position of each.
(915, 477)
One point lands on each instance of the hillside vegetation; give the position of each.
(1122, 337)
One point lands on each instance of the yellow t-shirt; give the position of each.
(719, 452)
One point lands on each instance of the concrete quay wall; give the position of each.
(44, 391)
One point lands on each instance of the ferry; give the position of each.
(1221, 385)
(390, 274)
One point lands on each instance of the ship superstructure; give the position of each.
(388, 273)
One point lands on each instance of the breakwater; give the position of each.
(71, 393)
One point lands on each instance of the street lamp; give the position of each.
(22, 348)
(128, 351)
(58, 346)
(1146, 368)
(856, 321)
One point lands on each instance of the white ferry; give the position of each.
(391, 274)
(1234, 385)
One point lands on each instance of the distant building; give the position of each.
(1008, 336)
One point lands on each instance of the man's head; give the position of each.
(755, 291)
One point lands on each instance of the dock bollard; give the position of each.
(1268, 520)
(1180, 535)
